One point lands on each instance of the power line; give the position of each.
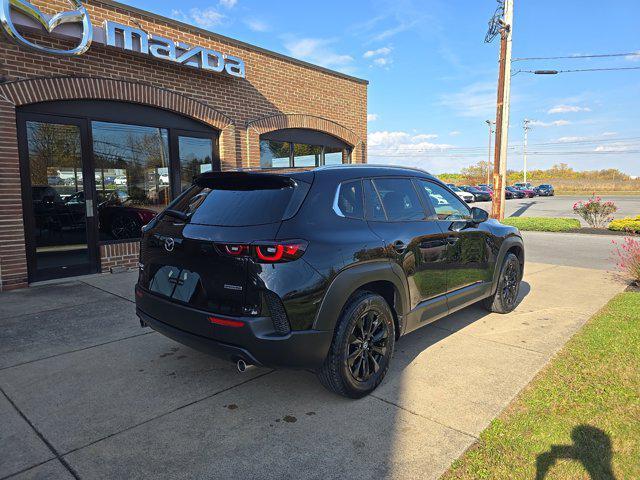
(603, 55)
(555, 72)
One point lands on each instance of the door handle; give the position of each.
(399, 246)
(89, 207)
(452, 240)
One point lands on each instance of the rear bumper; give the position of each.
(255, 342)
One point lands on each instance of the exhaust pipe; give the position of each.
(242, 366)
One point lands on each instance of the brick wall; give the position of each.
(277, 92)
(119, 255)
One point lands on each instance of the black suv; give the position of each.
(323, 269)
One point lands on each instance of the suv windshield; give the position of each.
(242, 200)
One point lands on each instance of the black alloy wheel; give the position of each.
(367, 345)
(362, 346)
(505, 299)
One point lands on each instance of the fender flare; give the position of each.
(351, 279)
(507, 244)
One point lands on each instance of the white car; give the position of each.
(120, 180)
(466, 196)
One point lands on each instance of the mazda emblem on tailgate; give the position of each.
(169, 244)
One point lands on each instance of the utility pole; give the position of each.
(490, 123)
(526, 131)
(502, 112)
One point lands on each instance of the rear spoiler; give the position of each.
(248, 180)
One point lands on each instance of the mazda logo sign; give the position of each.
(169, 244)
(49, 23)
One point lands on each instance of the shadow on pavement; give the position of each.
(591, 447)
(525, 206)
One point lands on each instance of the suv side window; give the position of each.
(372, 203)
(446, 204)
(399, 199)
(348, 202)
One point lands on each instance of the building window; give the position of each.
(274, 154)
(301, 148)
(196, 157)
(306, 155)
(334, 155)
(132, 176)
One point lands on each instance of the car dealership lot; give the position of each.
(562, 206)
(84, 389)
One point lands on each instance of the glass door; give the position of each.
(57, 193)
(194, 154)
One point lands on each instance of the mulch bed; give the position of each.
(601, 231)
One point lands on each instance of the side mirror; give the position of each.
(478, 215)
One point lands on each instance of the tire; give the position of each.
(506, 297)
(356, 362)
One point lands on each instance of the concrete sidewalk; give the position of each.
(87, 393)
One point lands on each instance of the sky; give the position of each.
(433, 78)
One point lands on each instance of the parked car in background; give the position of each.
(528, 192)
(508, 195)
(466, 196)
(516, 192)
(336, 265)
(486, 188)
(524, 185)
(545, 190)
(478, 195)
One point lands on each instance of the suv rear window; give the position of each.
(242, 200)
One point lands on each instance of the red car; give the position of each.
(527, 192)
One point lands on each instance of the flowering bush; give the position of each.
(631, 225)
(595, 212)
(628, 257)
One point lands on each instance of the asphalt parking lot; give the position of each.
(562, 206)
(87, 393)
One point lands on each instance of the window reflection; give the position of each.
(306, 155)
(332, 155)
(195, 158)
(274, 154)
(132, 177)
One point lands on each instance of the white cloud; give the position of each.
(204, 18)
(567, 109)
(382, 61)
(455, 133)
(317, 50)
(571, 139)
(372, 117)
(424, 136)
(390, 32)
(257, 25)
(609, 134)
(634, 58)
(376, 53)
(380, 57)
(228, 3)
(614, 147)
(475, 100)
(555, 123)
(398, 142)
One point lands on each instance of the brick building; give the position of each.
(108, 117)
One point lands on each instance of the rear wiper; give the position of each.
(177, 214)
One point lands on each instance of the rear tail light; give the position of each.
(265, 252)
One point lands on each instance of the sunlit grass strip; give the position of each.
(543, 224)
(580, 414)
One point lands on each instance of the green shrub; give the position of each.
(543, 224)
(626, 225)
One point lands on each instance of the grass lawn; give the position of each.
(580, 414)
(543, 224)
